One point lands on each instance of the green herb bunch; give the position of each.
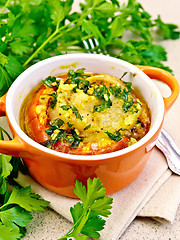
(34, 30)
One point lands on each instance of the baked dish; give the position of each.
(85, 113)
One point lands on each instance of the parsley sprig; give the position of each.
(87, 214)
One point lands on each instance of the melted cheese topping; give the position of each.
(111, 119)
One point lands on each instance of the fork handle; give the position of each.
(167, 78)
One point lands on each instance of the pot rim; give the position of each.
(133, 69)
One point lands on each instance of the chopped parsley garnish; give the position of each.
(103, 93)
(56, 133)
(50, 81)
(69, 124)
(127, 105)
(115, 90)
(74, 110)
(103, 106)
(53, 100)
(61, 134)
(76, 139)
(73, 75)
(128, 85)
(77, 77)
(87, 127)
(135, 108)
(116, 136)
(123, 94)
(57, 123)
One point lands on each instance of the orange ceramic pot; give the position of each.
(58, 171)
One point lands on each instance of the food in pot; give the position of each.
(85, 113)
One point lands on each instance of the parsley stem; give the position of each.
(5, 6)
(47, 41)
(73, 46)
(39, 49)
(55, 32)
(77, 230)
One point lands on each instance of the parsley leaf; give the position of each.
(56, 12)
(5, 165)
(168, 31)
(90, 27)
(15, 216)
(87, 216)
(26, 199)
(9, 233)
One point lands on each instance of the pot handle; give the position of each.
(12, 147)
(167, 78)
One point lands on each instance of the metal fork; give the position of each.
(165, 142)
(172, 153)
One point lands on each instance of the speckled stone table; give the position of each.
(49, 225)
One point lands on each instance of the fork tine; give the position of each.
(93, 44)
(90, 44)
(96, 42)
(86, 45)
